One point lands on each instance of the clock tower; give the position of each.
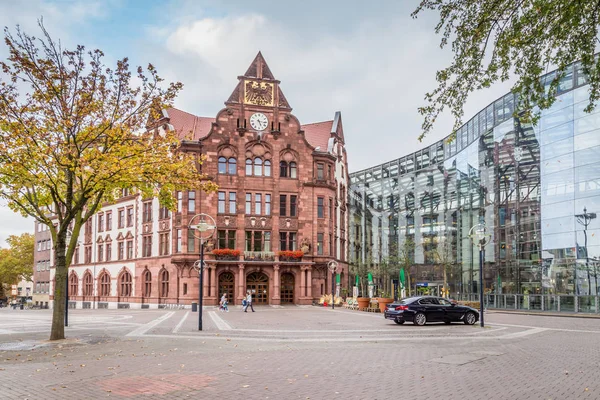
(258, 99)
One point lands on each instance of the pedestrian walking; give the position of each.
(223, 306)
(248, 302)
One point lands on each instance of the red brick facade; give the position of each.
(282, 186)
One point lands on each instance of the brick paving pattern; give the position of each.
(263, 356)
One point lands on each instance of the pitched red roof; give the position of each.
(318, 134)
(189, 126)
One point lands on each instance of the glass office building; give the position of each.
(536, 188)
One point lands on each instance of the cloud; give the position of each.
(376, 73)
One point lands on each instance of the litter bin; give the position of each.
(194, 307)
(21, 306)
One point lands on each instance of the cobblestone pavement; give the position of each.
(295, 353)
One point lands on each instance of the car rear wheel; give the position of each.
(447, 322)
(470, 318)
(399, 322)
(420, 319)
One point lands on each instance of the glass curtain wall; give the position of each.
(536, 187)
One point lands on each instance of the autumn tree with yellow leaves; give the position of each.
(73, 133)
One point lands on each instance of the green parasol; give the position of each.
(402, 279)
(337, 279)
(370, 278)
(357, 281)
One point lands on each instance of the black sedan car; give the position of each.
(423, 309)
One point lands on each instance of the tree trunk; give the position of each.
(60, 287)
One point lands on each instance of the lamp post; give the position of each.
(332, 266)
(585, 219)
(204, 228)
(479, 234)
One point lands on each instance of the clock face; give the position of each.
(259, 121)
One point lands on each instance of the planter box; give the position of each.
(227, 258)
(290, 259)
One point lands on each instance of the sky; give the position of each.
(369, 60)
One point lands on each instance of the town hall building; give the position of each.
(280, 212)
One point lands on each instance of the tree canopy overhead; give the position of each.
(73, 133)
(492, 40)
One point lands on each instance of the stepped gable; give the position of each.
(189, 126)
(318, 134)
(258, 86)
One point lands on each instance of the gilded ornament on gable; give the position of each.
(258, 93)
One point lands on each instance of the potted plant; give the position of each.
(226, 254)
(290, 255)
(383, 300)
(363, 302)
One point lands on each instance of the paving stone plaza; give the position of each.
(295, 352)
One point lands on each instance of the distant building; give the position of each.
(282, 187)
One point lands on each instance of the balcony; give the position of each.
(259, 256)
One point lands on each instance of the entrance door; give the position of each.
(287, 288)
(226, 285)
(258, 284)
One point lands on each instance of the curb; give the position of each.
(544, 314)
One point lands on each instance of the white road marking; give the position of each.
(176, 329)
(145, 328)
(523, 333)
(220, 322)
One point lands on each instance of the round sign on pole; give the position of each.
(203, 226)
(332, 266)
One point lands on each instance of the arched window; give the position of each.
(258, 165)
(104, 284)
(267, 168)
(147, 283)
(232, 166)
(164, 283)
(248, 167)
(125, 284)
(222, 165)
(88, 284)
(73, 284)
(283, 169)
(293, 170)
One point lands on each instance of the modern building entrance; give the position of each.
(287, 288)
(226, 285)
(258, 284)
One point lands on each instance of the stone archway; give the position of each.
(227, 285)
(287, 288)
(258, 284)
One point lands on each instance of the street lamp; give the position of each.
(479, 235)
(584, 219)
(204, 228)
(332, 266)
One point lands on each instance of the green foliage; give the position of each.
(73, 132)
(492, 40)
(16, 261)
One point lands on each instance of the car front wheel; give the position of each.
(420, 319)
(470, 318)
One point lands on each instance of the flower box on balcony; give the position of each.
(290, 255)
(226, 254)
